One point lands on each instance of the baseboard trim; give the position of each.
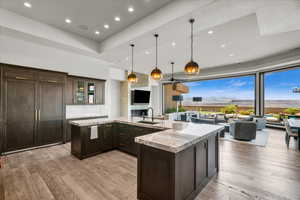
(31, 148)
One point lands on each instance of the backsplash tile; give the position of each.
(81, 111)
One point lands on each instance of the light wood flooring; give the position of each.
(246, 172)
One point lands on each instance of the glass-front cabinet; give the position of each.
(85, 91)
(80, 92)
(91, 93)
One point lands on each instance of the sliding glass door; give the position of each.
(224, 95)
(282, 95)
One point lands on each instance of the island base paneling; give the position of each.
(176, 176)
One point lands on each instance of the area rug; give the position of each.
(261, 138)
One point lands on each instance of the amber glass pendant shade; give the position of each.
(156, 74)
(192, 68)
(132, 78)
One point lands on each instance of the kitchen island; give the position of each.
(175, 159)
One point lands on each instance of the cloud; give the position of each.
(237, 83)
(288, 84)
(193, 84)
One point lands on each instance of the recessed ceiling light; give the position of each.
(106, 26)
(223, 45)
(97, 32)
(210, 32)
(231, 55)
(27, 4)
(67, 20)
(130, 9)
(147, 52)
(126, 58)
(117, 19)
(173, 44)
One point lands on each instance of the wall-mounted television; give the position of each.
(140, 97)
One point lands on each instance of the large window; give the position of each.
(280, 99)
(219, 94)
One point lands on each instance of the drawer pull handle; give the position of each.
(52, 81)
(21, 78)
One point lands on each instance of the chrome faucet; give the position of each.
(152, 113)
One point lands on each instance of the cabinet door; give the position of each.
(107, 136)
(123, 137)
(212, 163)
(201, 162)
(19, 114)
(100, 92)
(91, 146)
(79, 91)
(50, 113)
(70, 91)
(91, 92)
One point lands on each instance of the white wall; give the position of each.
(27, 53)
(113, 98)
(18, 51)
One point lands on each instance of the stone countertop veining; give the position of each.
(174, 136)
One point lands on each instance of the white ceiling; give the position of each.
(241, 37)
(91, 14)
(250, 29)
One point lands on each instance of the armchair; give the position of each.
(243, 130)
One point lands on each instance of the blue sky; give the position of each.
(279, 85)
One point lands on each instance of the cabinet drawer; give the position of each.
(51, 77)
(19, 73)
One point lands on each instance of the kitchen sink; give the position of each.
(147, 122)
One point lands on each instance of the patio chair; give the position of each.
(243, 130)
(203, 120)
(289, 132)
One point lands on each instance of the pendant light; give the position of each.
(156, 73)
(192, 67)
(172, 77)
(132, 78)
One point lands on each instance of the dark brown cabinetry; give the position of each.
(20, 113)
(110, 136)
(50, 113)
(177, 176)
(33, 107)
(107, 136)
(82, 91)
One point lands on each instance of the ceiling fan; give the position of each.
(172, 79)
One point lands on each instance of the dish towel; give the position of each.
(94, 132)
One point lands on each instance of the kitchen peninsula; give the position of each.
(175, 160)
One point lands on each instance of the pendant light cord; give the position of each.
(156, 36)
(172, 70)
(132, 45)
(192, 38)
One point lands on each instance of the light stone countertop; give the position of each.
(174, 136)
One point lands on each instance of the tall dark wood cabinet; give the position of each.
(19, 109)
(50, 108)
(33, 108)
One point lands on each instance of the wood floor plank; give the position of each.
(246, 172)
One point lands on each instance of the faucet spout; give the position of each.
(152, 113)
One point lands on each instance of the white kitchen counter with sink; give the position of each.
(174, 136)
